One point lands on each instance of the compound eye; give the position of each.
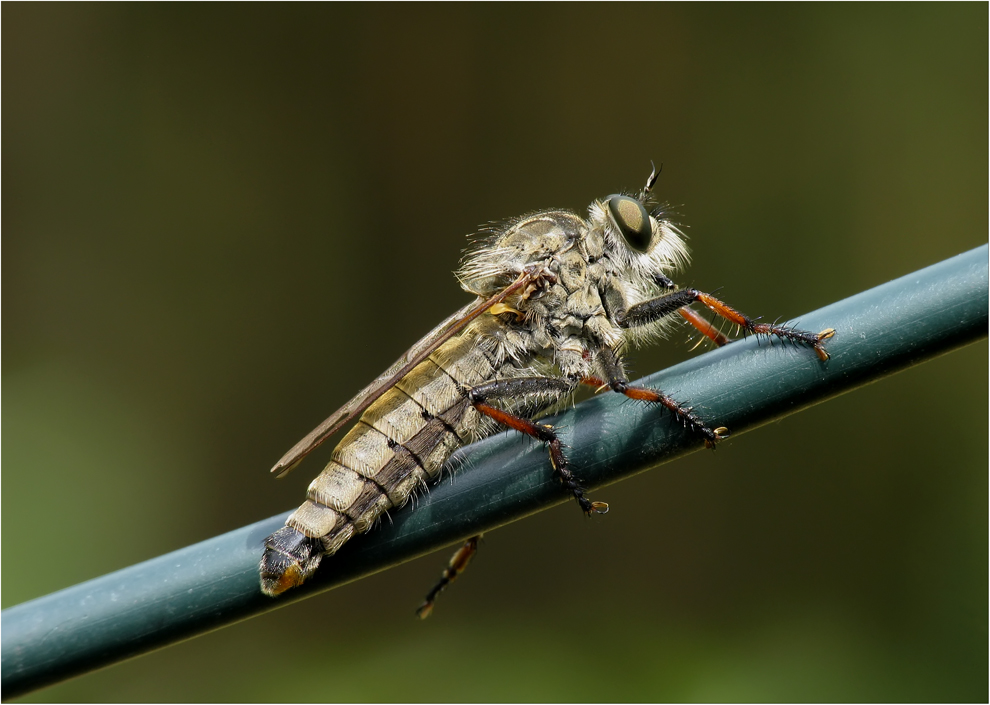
(632, 220)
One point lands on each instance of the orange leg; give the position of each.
(684, 414)
(458, 562)
(665, 305)
(528, 386)
(816, 340)
(703, 326)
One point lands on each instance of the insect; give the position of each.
(559, 298)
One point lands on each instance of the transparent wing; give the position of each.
(453, 325)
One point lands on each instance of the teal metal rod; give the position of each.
(504, 478)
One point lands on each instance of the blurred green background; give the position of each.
(220, 221)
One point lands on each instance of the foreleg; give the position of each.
(703, 326)
(666, 304)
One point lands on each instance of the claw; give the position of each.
(599, 507)
(719, 433)
(821, 351)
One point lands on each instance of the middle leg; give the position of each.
(611, 363)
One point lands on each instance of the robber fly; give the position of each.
(558, 300)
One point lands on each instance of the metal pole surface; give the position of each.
(504, 478)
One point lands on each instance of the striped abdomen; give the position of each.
(399, 444)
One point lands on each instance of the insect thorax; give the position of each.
(593, 277)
